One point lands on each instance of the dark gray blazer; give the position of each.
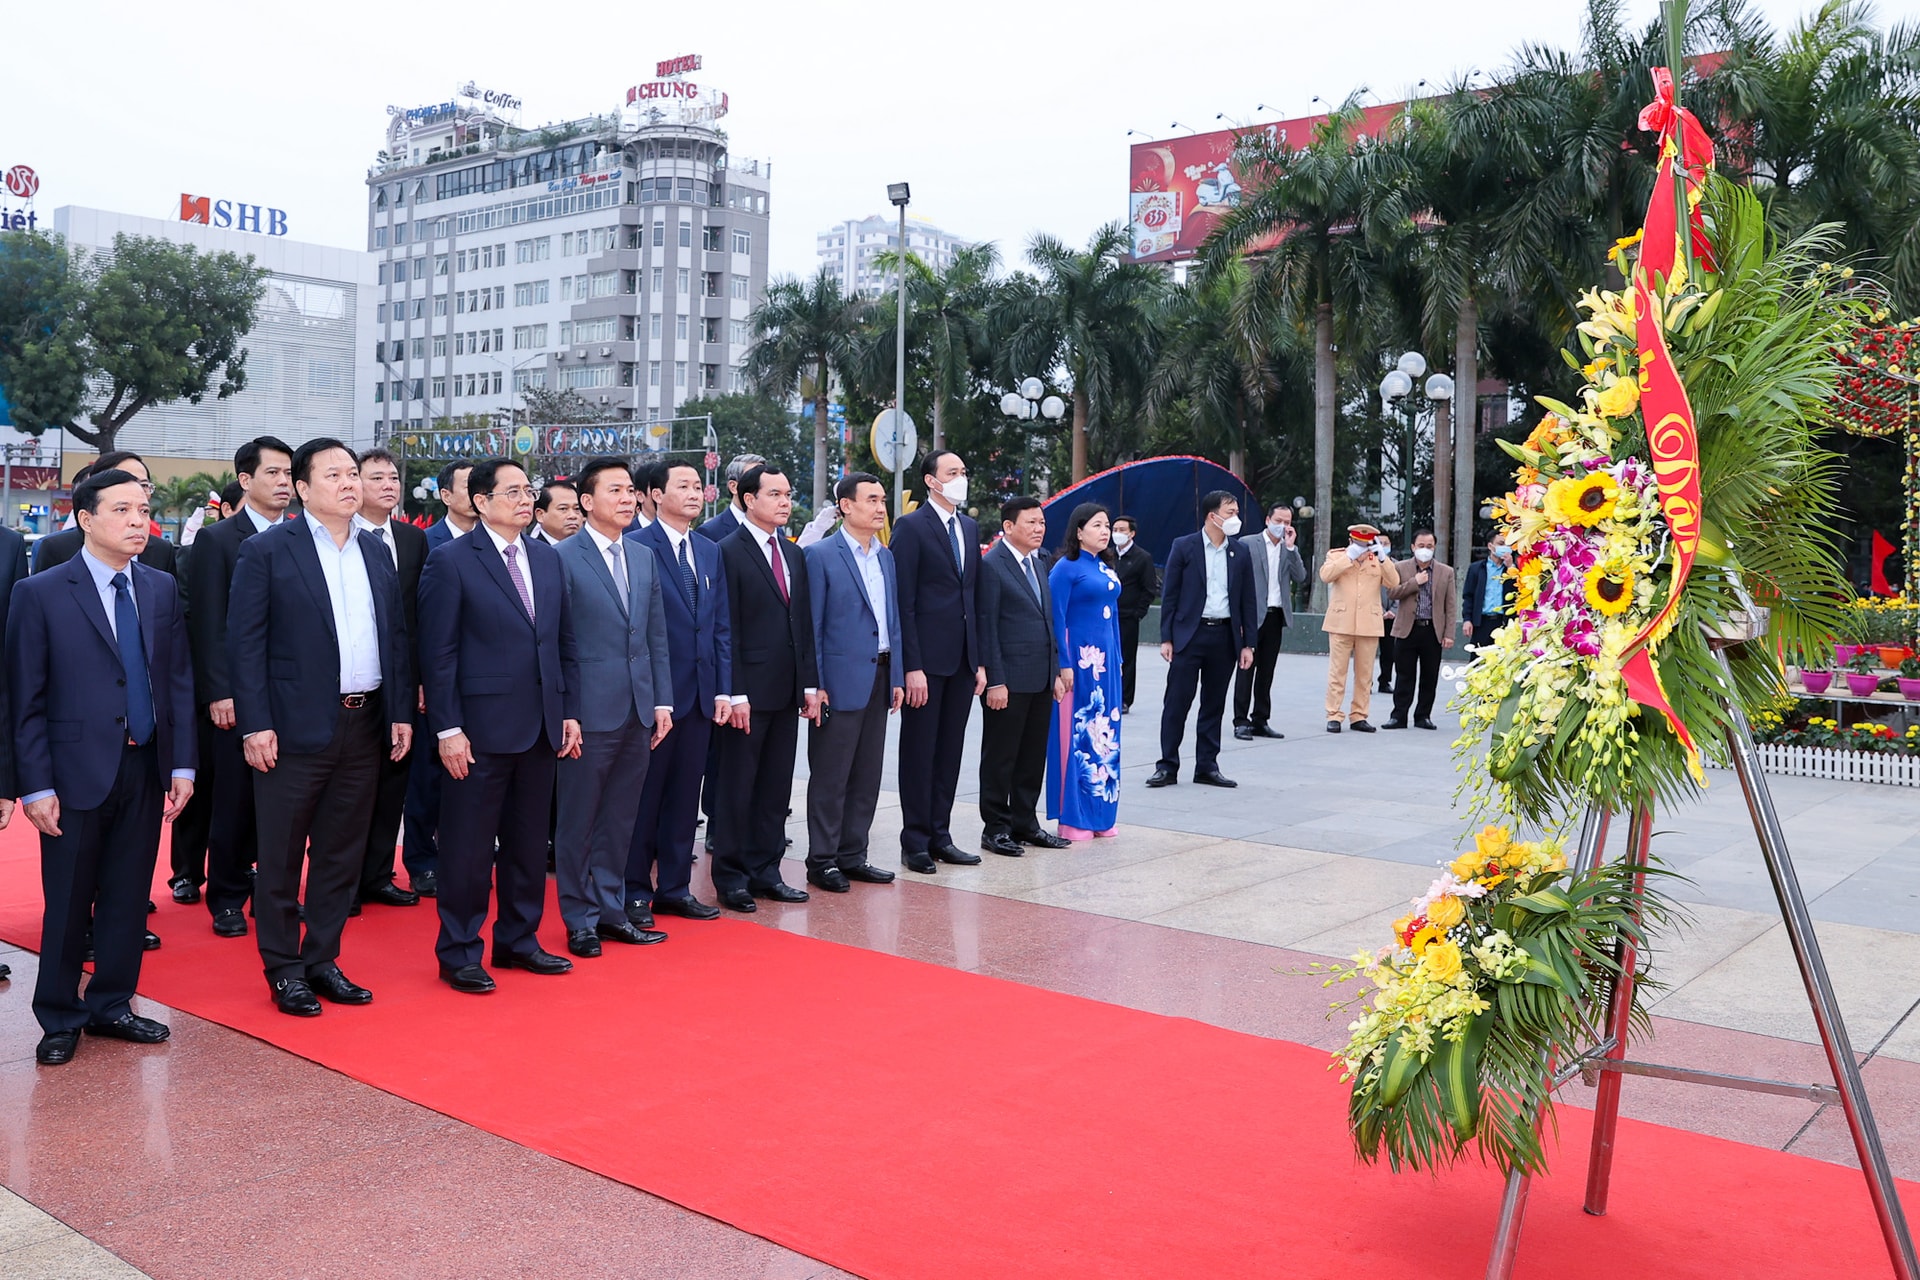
(1292, 569)
(1016, 634)
(624, 670)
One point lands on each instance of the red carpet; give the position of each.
(897, 1119)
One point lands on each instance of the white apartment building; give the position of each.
(618, 256)
(848, 249)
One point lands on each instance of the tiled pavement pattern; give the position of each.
(218, 1155)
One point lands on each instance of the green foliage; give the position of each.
(758, 424)
(43, 362)
(548, 407)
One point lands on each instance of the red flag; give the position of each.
(1881, 550)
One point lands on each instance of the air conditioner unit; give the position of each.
(559, 355)
(603, 399)
(606, 351)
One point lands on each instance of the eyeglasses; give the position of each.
(511, 495)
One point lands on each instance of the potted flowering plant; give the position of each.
(1909, 678)
(1863, 677)
(1816, 681)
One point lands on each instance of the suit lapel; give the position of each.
(603, 572)
(495, 566)
(853, 563)
(307, 556)
(82, 583)
(750, 535)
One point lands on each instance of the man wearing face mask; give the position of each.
(1423, 629)
(1486, 595)
(1276, 567)
(1356, 575)
(1139, 588)
(1207, 626)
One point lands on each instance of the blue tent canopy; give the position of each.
(1162, 494)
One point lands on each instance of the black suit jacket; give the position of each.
(13, 567)
(1016, 634)
(1186, 593)
(281, 645)
(1139, 581)
(938, 614)
(209, 581)
(58, 548)
(721, 527)
(773, 658)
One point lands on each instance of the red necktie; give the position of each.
(779, 566)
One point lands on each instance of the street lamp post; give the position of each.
(1397, 386)
(900, 193)
(1031, 403)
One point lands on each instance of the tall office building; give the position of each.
(617, 256)
(848, 249)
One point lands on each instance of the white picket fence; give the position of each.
(1840, 766)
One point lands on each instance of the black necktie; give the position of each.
(687, 580)
(133, 657)
(953, 538)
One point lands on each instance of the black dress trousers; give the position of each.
(1207, 663)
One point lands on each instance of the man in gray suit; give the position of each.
(620, 631)
(856, 636)
(1023, 682)
(1276, 567)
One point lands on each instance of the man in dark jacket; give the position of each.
(1139, 588)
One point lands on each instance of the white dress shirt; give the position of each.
(384, 532)
(1276, 552)
(354, 619)
(867, 560)
(1216, 556)
(260, 523)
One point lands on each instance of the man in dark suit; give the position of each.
(265, 468)
(58, 548)
(856, 639)
(1023, 681)
(1139, 588)
(1276, 567)
(406, 548)
(1207, 624)
(556, 512)
(620, 634)
(322, 693)
(700, 650)
(102, 722)
(936, 550)
(421, 848)
(722, 525)
(503, 700)
(775, 680)
(1487, 594)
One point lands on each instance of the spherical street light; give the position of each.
(1439, 387)
(1013, 405)
(1053, 408)
(1396, 384)
(1033, 388)
(1413, 364)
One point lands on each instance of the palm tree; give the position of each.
(1213, 376)
(806, 332)
(1310, 261)
(946, 325)
(1093, 311)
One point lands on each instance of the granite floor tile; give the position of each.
(68, 1257)
(1876, 975)
(1286, 911)
(1145, 889)
(22, 1226)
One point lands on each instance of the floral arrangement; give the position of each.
(1789, 723)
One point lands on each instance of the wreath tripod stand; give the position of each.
(1604, 1063)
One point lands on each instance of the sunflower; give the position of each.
(1585, 501)
(1610, 587)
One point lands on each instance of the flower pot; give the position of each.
(1862, 684)
(1910, 689)
(1816, 681)
(1842, 654)
(1891, 655)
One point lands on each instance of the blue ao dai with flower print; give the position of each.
(1083, 742)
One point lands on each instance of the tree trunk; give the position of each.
(1324, 392)
(939, 421)
(1466, 427)
(1079, 435)
(1237, 452)
(820, 441)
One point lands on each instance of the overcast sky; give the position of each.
(1007, 118)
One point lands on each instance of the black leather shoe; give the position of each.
(1213, 778)
(534, 961)
(689, 907)
(739, 900)
(427, 885)
(921, 862)
(1333, 726)
(131, 1026)
(230, 924)
(1423, 723)
(354, 910)
(958, 857)
(338, 987)
(833, 880)
(1042, 840)
(867, 873)
(56, 1048)
(151, 908)
(1244, 732)
(294, 996)
(1004, 845)
(6, 972)
(1386, 688)
(185, 892)
(778, 892)
(468, 978)
(1163, 778)
(392, 895)
(584, 943)
(1261, 731)
(151, 942)
(1394, 724)
(1361, 726)
(631, 934)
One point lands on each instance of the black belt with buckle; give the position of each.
(1215, 622)
(881, 657)
(354, 701)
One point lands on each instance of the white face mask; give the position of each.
(1278, 529)
(1122, 540)
(1423, 554)
(1230, 526)
(955, 490)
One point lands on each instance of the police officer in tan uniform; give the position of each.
(1355, 576)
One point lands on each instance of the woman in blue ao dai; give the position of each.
(1083, 742)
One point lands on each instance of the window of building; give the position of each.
(380, 274)
(710, 329)
(396, 390)
(659, 233)
(379, 237)
(743, 242)
(600, 330)
(526, 379)
(566, 244)
(657, 274)
(710, 284)
(653, 371)
(605, 284)
(379, 393)
(653, 325)
(460, 261)
(629, 282)
(537, 249)
(578, 378)
(418, 348)
(417, 308)
(712, 239)
(439, 304)
(680, 280)
(738, 287)
(634, 235)
(439, 345)
(496, 381)
(686, 235)
(679, 373)
(737, 332)
(440, 388)
(680, 328)
(439, 264)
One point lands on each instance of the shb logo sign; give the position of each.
(233, 214)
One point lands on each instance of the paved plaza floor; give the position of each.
(1211, 905)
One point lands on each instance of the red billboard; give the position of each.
(1180, 188)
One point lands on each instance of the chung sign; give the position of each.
(232, 214)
